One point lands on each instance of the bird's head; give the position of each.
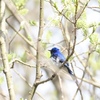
(54, 50)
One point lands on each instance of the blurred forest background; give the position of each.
(29, 28)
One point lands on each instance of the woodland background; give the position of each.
(29, 28)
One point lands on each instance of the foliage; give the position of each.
(32, 22)
(1, 79)
(94, 38)
(94, 61)
(11, 56)
(62, 18)
(47, 54)
(24, 57)
(20, 4)
(99, 2)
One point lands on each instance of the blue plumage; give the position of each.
(58, 57)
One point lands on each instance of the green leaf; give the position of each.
(83, 25)
(20, 3)
(74, 1)
(68, 13)
(44, 45)
(54, 21)
(94, 25)
(24, 57)
(32, 22)
(99, 2)
(22, 25)
(1, 68)
(48, 35)
(94, 61)
(23, 11)
(98, 49)
(55, 5)
(91, 98)
(1, 80)
(11, 56)
(29, 38)
(47, 54)
(94, 38)
(21, 99)
(62, 1)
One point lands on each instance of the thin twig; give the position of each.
(83, 75)
(23, 78)
(77, 83)
(95, 83)
(82, 10)
(13, 9)
(26, 64)
(22, 36)
(84, 66)
(60, 12)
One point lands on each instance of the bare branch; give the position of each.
(18, 16)
(22, 36)
(3, 48)
(38, 70)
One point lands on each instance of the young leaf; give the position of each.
(47, 54)
(11, 56)
(48, 35)
(29, 38)
(98, 49)
(23, 11)
(32, 22)
(1, 80)
(94, 38)
(1, 68)
(24, 57)
(22, 25)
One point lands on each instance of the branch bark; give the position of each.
(18, 16)
(4, 54)
(38, 69)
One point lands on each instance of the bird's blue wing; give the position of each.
(58, 57)
(62, 59)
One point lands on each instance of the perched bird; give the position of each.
(59, 58)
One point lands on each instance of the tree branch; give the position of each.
(18, 16)
(4, 54)
(38, 71)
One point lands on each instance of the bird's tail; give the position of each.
(69, 70)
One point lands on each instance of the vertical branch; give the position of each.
(75, 29)
(41, 18)
(38, 71)
(62, 96)
(4, 54)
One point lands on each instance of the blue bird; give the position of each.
(58, 57)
